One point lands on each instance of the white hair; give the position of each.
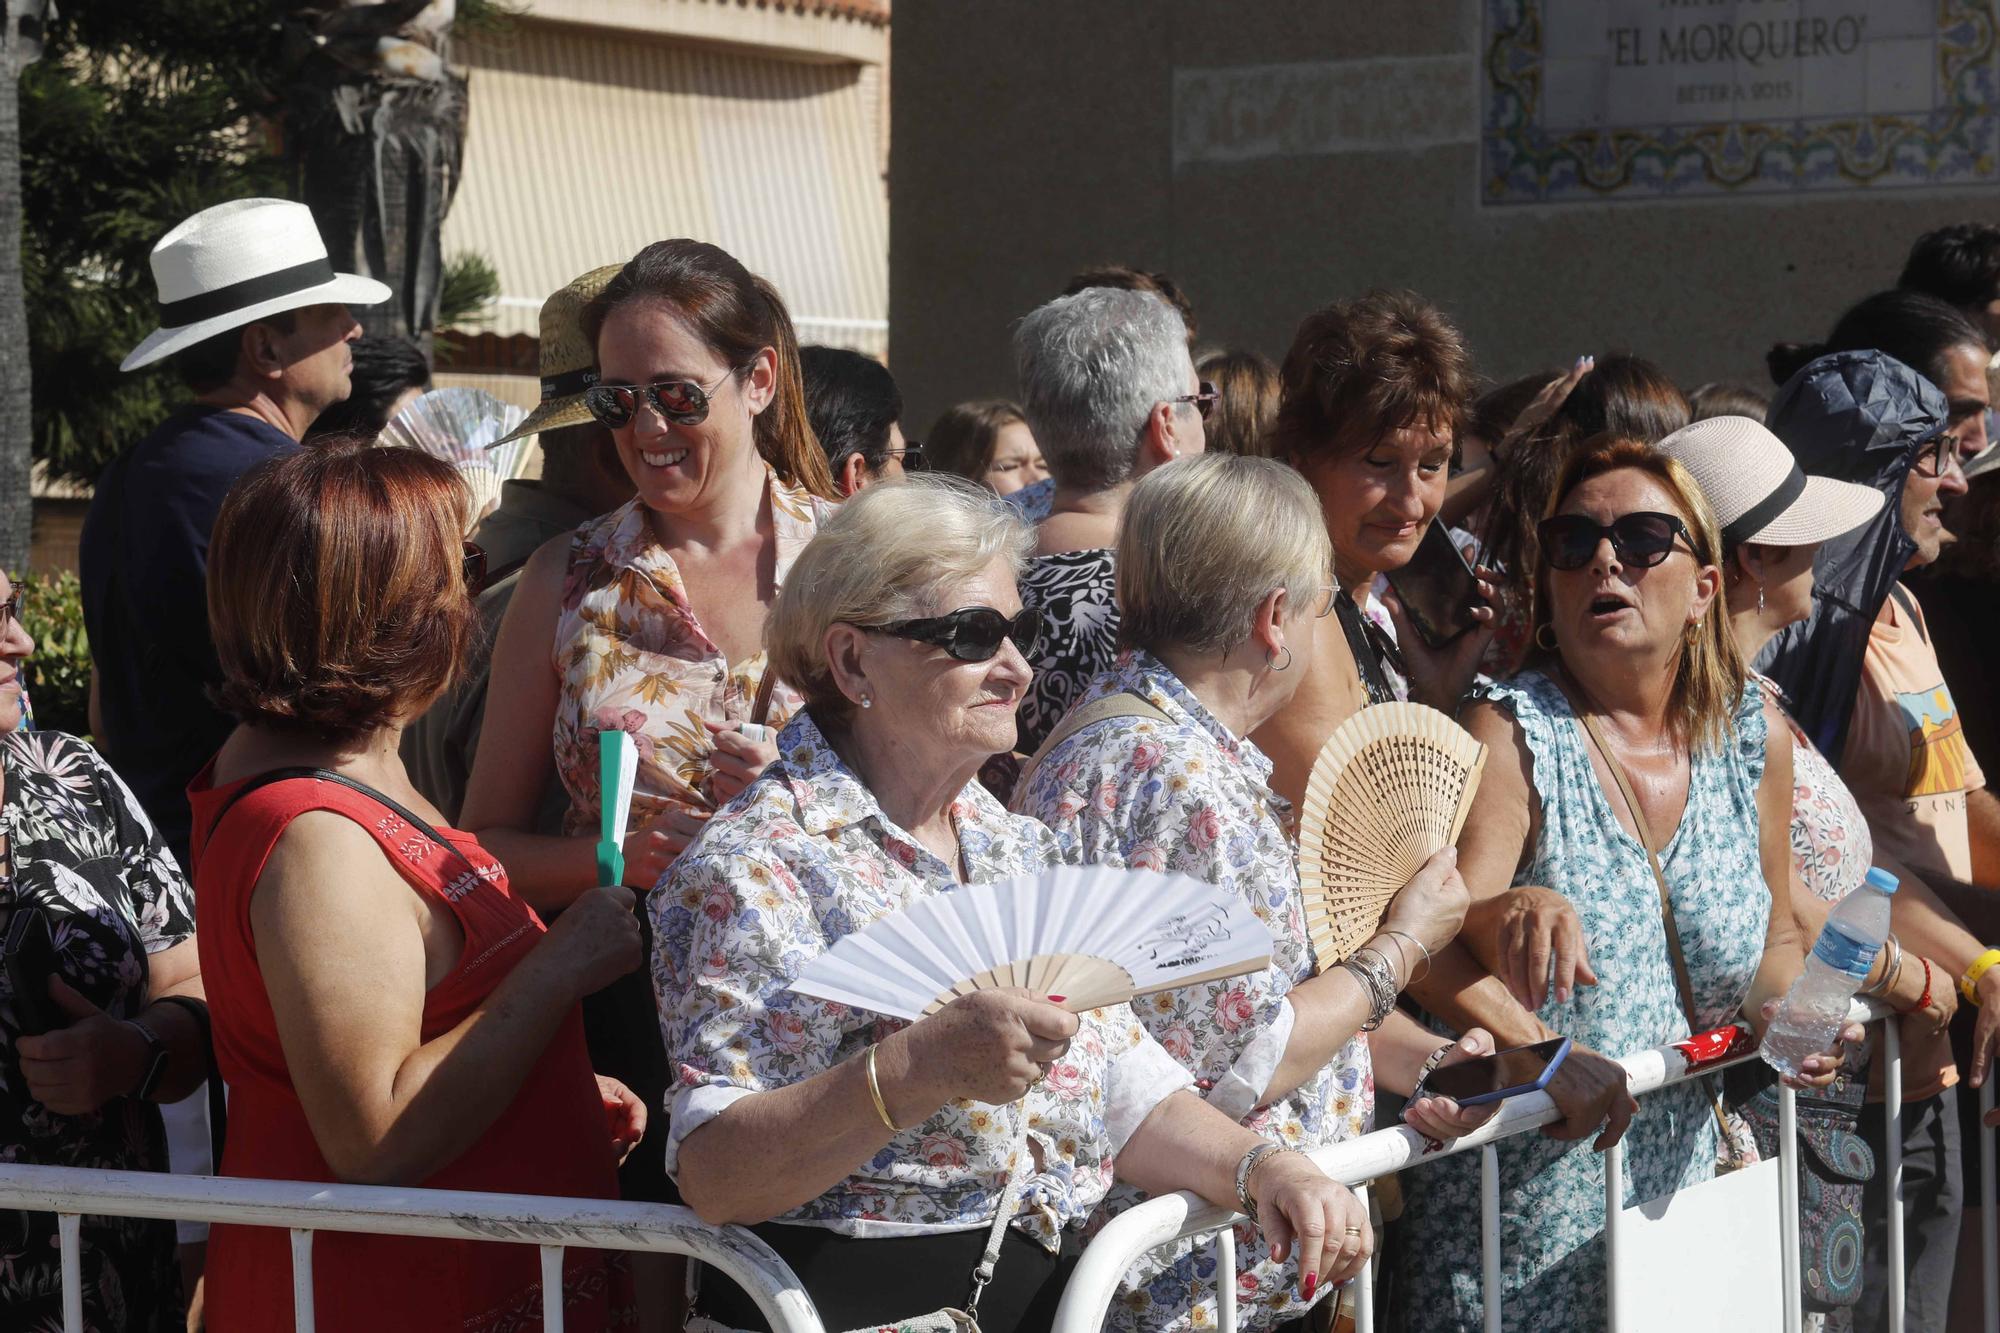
(891, 553)
(1091, 367)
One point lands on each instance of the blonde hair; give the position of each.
(1709, 674)
(1203, 541)
(891, 553)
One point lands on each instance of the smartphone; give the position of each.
(1490, 1078)
(1437, 588)
(30, 955)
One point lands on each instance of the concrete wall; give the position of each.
(1033, 137)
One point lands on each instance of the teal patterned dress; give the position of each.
(1551, 1193)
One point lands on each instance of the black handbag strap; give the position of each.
(278, 775)
(1369, 650)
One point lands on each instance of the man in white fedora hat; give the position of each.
(257, 324)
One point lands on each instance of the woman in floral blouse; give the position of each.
(1171, 783)
(124, 1008)
(883, 1147)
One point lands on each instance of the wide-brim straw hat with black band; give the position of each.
(568, 361)
(1756, 488)
(236, 263)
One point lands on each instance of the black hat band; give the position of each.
(251, 291)
(1758, 516)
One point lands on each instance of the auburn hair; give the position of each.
(336, 589)
(1709, 675)
(1360, 370)
(737, 314)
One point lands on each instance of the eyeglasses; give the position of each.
(682, 402)
(1204, 400)
(911, 455)
(473, 568)
(973, 634)
(10, 610)
(1938, 457)
(1323, 601)
(1642, 539)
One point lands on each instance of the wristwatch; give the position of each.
(156, 1061)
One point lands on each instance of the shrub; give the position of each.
(59, 672)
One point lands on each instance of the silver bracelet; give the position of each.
(1247, 1167)
(1392, 934)
(1892, 971)
(1378, 978)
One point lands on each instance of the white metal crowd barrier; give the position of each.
(553, 1224)
(1171, 1218)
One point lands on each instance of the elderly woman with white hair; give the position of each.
(881, 1147)
(1224, 564)
(1111, 394)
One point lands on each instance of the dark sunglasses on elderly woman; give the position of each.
(1642, 540)
(682, 402)
(973, 634)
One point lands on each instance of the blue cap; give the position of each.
(1881, 879)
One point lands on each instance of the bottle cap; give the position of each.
(1881, 879)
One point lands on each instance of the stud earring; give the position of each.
(867, 702)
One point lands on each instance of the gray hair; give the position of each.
(1203, 541)
(893, 552)
(1091, 367)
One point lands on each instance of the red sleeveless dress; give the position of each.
(552, 1138)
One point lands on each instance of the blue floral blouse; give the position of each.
(800, 858)
(1552, 1194)
(1188, 797)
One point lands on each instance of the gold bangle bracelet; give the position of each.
(875, 1094)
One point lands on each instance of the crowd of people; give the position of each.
(336, 847)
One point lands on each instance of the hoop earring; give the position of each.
(1548, 644)
(1272, 662)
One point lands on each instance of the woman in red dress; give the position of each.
(385, 1011)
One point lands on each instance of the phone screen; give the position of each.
(1505, 1071)
(1437, 587)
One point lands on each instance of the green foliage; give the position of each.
(135, 117)
(59, 671)
(465, 295)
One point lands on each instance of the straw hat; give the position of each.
(1983, 462)
(569, 362)
(235, 263)
(1757, 490)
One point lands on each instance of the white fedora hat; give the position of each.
(238, 262)
(1756, 489)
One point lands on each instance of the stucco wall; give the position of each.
(1036, 136)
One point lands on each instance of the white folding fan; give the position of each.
(457, 425)
(1390, 789)
(1094, 935)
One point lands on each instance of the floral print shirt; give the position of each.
(1185, 795)
(631, 656)
(84, 854)
(802, 857)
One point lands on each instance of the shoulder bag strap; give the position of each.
(1121, 704)
(1368, 646)
(278, 775)
(1675, 954)
(760, 707)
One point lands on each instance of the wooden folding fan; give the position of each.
(1390, 789)
(1095, 935)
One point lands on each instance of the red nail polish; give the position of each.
(1306, 1287)
(1057, 999)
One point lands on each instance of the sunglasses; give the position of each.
(682, 402)
(472, 569)
(1938, 457)
(1204, 400)
(10, 610)
(973, 634)
(1642, 540)
(911, 455)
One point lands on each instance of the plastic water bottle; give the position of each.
(1811, 1016)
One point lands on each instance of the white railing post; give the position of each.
(1892, 1140)
(552, 1289)
(69, 1235)
(1489, 1235)
(1989, 1223)
(1614, 1230)
(1364, 1281)
(1225, 1280)
(304, 1315)
(1788, 1196)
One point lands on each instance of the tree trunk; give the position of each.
(20, 45)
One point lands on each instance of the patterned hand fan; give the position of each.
(1390, 789)
(457, 425)
(1094, 935)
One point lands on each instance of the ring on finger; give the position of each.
(1354, 1231)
